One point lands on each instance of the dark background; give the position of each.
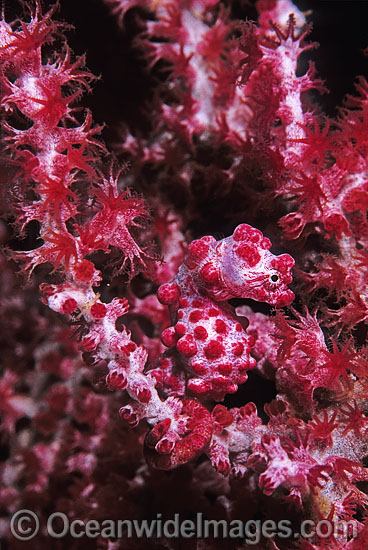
(340, 27)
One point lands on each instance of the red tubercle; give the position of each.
(168, 293)
(220, 383)
(198, 303)
(248, 253)
(209, 273)
(186, 346)
(220, 326)
(197, 251)
(225, 368)
(242, 232)
(238, 348)
(183, 302)
(199, 368)
(180, 329)
(200, 333)
(199, 386)
(214, 350)
(169, 337)
(195, 316)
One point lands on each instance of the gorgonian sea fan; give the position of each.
(176, 309)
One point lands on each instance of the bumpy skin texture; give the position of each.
(207, 332)
(229, 137)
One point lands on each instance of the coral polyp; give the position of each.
(187, 328)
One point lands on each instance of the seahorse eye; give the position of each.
(274, 278)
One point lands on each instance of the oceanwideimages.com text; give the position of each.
(25, 525)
